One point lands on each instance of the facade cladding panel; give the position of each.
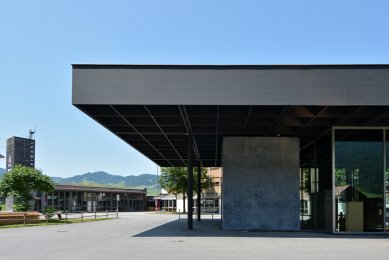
(20, 151)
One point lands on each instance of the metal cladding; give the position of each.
(153, 108)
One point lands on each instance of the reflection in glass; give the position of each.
(358, 180)
(308, 192)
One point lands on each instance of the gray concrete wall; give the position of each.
(261, 183)
(231, 85)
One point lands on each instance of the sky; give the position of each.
(39, 40)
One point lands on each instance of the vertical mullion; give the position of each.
(333, 182)
(384, 181)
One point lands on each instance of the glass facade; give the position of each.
(359, 180)
(309, 186)
(77, 201)
(386, 180)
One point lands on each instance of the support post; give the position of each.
(190, 182)
(198, 192)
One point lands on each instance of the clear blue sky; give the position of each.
(39, 40)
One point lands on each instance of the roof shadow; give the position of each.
(213, 228)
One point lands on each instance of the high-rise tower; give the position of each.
(20, 151)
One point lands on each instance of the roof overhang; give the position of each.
(154, 107)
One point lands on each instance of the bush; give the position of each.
(21, 207)
(49, 212)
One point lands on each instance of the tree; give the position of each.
(175, 181)
(21, 181)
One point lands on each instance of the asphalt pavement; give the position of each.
(164, 236)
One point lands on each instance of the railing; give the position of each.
(205, 215)
(35, 217)
(86, 215)
(8, 218)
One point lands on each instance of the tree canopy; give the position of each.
(175, 180)
(21, 181)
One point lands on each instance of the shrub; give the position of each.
(49, 212)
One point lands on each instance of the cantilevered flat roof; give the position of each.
(154, 107)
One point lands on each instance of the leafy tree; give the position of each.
(21, 181)
(175, 181)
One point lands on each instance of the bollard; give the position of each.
(179, 214)
(106, 213)
(66, 217)
(24, 218)
(82, 216)
(95, 215)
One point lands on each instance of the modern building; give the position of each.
(211, 197)
(20, 151)
(287, 136)
(73, 198)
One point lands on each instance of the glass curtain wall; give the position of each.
(387, 181)
(359, 180)
(309, 177)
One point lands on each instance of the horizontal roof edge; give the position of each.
(231, 66)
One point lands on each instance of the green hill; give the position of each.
(102, 178)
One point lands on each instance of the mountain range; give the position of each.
(101, 178)
(104, 178)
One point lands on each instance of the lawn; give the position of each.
(54, 222)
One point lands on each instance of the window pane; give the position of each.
(359, 180)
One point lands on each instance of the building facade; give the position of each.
(20, 151)
(210, 197)
(72, 198)
(301, 146)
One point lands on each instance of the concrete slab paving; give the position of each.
(164, 236)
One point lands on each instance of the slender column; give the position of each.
(58, 201)
(110, 205)
(198, 192)
(190, 182)
(71, 201)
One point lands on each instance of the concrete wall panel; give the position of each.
(261, 183)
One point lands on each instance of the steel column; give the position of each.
(198, 192)
(190, 182)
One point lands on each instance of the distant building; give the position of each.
(210, 197)
(20, 151)
(73, 198)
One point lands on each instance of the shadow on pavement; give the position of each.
(213, 228)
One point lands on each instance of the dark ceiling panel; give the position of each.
(131, 110)
(165, 127)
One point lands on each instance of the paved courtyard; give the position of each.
(164, 236)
